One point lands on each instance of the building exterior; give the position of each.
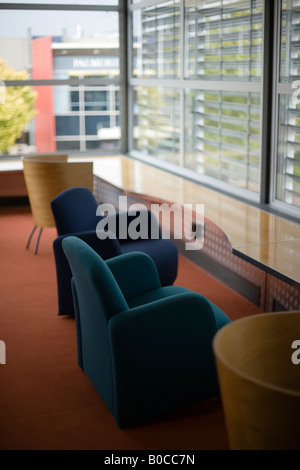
(76, 118)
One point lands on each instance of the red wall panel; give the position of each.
(42, 69)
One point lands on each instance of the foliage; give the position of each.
(18, 108)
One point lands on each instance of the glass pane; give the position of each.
(67, 125)
(96, 100)
(94, 123)
(61, 45)
(222, 132)
(288, 156)
(156, 122)
(290, 41)
(68, 145)
(49, 119)
(287, 186)
(156, 39)
(224, 39)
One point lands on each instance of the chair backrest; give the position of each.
(94, 280)
(47, 176)
(98, 297)
(74, 210)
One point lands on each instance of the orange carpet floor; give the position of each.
(47, 402)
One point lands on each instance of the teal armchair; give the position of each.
(146, 348)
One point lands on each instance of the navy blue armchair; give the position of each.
(74, 212)
(147, 349)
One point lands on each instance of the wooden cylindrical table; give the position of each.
(258, 364)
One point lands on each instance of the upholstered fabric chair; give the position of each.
(147, 349)
(46, 176)
(74, 212)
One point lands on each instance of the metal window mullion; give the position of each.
(249, 99)
(275, 99)
(289, 16)
(220, 136)
(182, 90)
(196, 39)
(251, 39)
(174, 41)
(266, 100)
(48, 6)
(81, 118)
(112, 105)
(247, 163)
(221, 95)
(213, 85)
(67, 81)
(156, 55)
(123, 83)
(220, 39)
(129, 50)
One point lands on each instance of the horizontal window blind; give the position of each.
(219, 136)
(157, 122)
(224, 39)
(288, 149)
(156, 41)
(223, 136)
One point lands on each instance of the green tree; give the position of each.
(18, 108)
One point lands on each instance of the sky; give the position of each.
(43, 23)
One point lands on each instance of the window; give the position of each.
(199, 70)
(69, 56)
(222, 136)
(156, 36)
(157, 118)
(196, 89)
(223, 39)
(287, 155)
(200, 86)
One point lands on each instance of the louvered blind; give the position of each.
(157, 122)
(156, 41)
(224, 39)
(288, 154)
(225, 139)
(222, 44)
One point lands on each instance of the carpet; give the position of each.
(47, 402)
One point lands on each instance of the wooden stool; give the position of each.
(46, 176)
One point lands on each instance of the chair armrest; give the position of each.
(135, 273)
(106, 248)
(162, 356)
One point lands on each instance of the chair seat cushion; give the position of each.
(169, 291)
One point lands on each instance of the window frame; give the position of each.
(120, 81)
(269, 88)
(279, 88)
(183, 83)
